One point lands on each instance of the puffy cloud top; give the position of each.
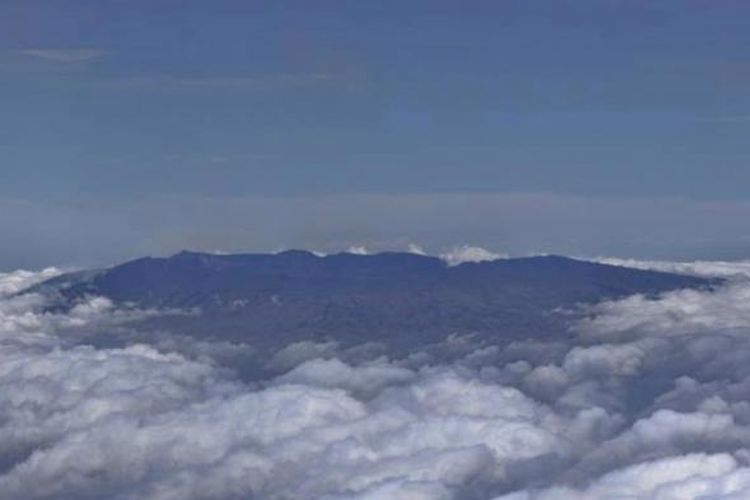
(466, 253)
(647, 398)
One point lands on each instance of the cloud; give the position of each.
(230, 82)
(138, 423)
(467, 253)
(675, 313)
(65, 56)
(647, 398)
(358, 250)
(257, 81)
(711, 269)
(14, 282)
(366, 380)
(689, 476)
(415, 249)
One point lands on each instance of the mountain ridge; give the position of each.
(400, 299)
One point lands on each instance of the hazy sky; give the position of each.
(131, 127)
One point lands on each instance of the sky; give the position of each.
(581, 127)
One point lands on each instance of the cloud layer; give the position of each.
(647, 398)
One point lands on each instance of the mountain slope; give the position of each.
(399, 299)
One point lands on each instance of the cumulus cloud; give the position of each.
(467, 253)
(14, 282)
(415, 249)
(675, 313)
(646, 398)
(674, 478)
(133, 422)
(358, 250)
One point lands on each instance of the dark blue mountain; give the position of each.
(398, 299)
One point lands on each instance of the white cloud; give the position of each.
(358, 250)
(366, 380)
(466, 253)
(675, 478)
(415, 249)
(14, 282)
(647, 400)
(81, 422)
(710, 269)
(297, 353)
(674, 313)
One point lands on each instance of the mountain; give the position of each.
(397, 299)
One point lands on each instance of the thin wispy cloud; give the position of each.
(228, 82)
(66, 56)
(290, 79)
(729, 119)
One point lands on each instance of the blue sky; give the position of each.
(111, 107)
